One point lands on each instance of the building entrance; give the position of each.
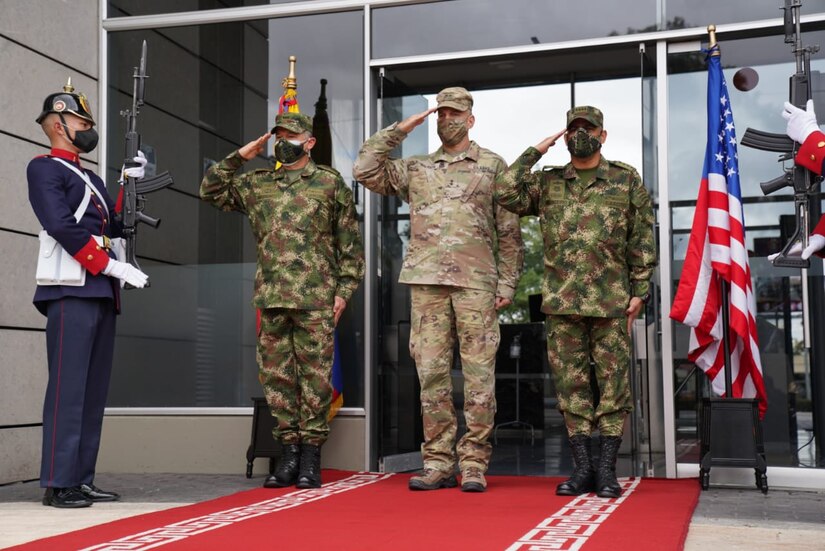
(518, 101)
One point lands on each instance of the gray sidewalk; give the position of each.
(725, 519)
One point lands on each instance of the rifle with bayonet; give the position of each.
(134, 190)
(804, 182)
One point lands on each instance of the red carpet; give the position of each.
(369, 511)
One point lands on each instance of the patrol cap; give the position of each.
(294, 122)
(455, 97)
(67, 101)
(586, 112)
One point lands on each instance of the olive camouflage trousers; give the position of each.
(294, 366)
(571, 342)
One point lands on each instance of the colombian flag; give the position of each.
(337, 380)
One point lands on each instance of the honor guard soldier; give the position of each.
(463, 264)
(803, 128)
(77, 215)
(310, 262)
(593, 212)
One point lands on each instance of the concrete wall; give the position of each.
(208, 444)
(42, 42)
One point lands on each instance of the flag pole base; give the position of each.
(731, 436)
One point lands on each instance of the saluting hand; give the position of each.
(547, 143)
(409, 123)
(254, 148)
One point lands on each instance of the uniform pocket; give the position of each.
(614, 225)
(312, 216)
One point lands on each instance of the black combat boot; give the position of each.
(606, 483)
(286, 473)
(581, 481)
(310, 473)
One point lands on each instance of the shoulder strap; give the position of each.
(89, 189)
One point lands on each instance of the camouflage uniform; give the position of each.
(309, 251)
(599, 252)
(463, 252)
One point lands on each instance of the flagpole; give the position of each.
(726, 336)
(723, 288)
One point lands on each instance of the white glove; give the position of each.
(793, 251)
(801, 124)
(126, 273)
(137, 172)
(815, 243)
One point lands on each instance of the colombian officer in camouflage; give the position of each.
(310, 261)
(457, 283)
(599, 253)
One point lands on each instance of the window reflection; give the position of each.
(769, 221)
(699, 13)
(123, 8)
(479, 24)
(212, 89)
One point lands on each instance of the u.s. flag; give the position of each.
(716, 251)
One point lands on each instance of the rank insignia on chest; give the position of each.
(555, 190)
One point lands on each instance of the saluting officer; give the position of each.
(463, 264)
(74, 208)
(599, 253)
(310, 261)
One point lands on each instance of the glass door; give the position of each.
(513, 111)
(399, 409)
(789, 302)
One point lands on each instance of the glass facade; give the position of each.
(215, 87)
(126, 8)
(785, 352)
(212, 89)
(481, 24)
(681, 14)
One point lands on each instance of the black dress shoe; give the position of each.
(65, 498)
(96, 494)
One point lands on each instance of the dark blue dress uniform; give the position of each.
(80, 329)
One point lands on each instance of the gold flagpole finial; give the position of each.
(68, 88)
(712, 40)
(291, 82)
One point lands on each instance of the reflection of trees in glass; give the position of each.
(530, 282)
(675, 23)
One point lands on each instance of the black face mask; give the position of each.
(84, 140)
(582, 144)
(287, 152)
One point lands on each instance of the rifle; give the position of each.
(134, 190)
(800, 178)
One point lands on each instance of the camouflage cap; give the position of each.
(455, 97)
(586, 112)
(294, 122)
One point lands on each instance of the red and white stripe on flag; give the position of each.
(716, 251)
